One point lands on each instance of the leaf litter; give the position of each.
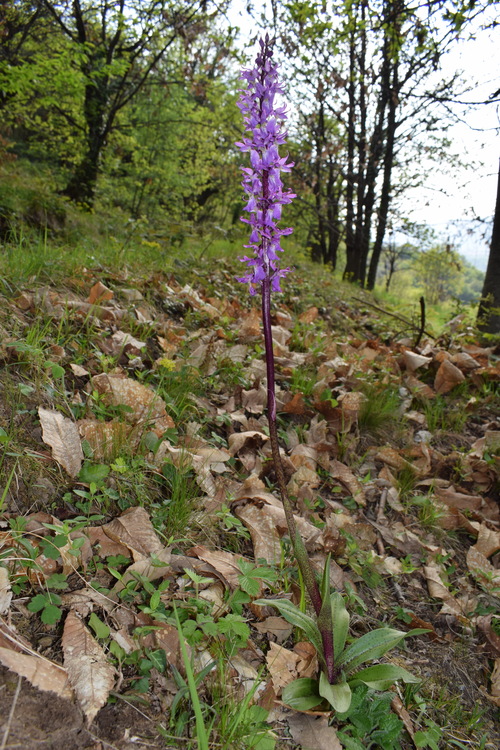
(413, 526)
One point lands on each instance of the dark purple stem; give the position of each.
(300, 552)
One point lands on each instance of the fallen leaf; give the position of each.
(313, 732)
(224, 562)
(282, 665)
(275, 626)
(146, 407)
(438, 590)
(99, 293)
(62, 435)
(482, 570)
(488, 541)
(108, 439)
(134, 529)
(308, 316)
(447, 377)
(5, 591)
(265, 538)
(344, 475)
(250, 324)
(90, 674)
(495, 682)
(399, 709)
(414, 361)
(42, 673)
(493, 639)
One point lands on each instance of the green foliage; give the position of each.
(305, 693)
(438, 270)
(370, 722)
(379, 409)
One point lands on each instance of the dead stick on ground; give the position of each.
(11, 714)
(392, 315)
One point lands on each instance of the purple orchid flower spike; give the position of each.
(262, 181)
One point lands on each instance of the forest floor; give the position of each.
(136, 485)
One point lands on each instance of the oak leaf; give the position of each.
(62, 435)
(90, 674)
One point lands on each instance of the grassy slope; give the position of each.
(42, 337)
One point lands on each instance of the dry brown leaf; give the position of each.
(296, 405)
(254, 488)
(275, 626)
(254, 400)
(495, 682)
(99, 293)
(414, 361)
(224, 562)
(62, 435)
(145, 568)
(447, 377)
(482, 570)
(5, 591)
(399, 709)
(313, 732)
(147, 407)
(42, 673)
(344, 475)
(308, 316)
(438, 590)
(488, 541)
(462, 501)
(250, 324)
(484, 624)
(124, 342)
(134, 529)
(265, 538)
(106, 546)
(166, 637)
(307, 666)
(282, 665)
(90, 674)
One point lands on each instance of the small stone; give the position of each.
(131, 295)
(423, 436)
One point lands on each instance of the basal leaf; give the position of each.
(370, 646)
(302, 694)
(338, 696)
(340, 619)
(382, 676)
(294, 616)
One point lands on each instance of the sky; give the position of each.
(451, 199)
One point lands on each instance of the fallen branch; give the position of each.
(398, 317)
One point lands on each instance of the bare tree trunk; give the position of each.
(488, 315)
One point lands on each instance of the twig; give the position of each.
(393, 315)
(422, 321)
(11, 714)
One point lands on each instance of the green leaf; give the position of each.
(37, 603)
(382, 676)
(57, 370)
(294, 616)
(249, 584)
(302, 694)
(370, 646)
(57, 581)
(338, 696)
(4, 438)
(158, 659)
(98, 626)
(93, 473)
(340, 624)
(349, 742)
(51, 614)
